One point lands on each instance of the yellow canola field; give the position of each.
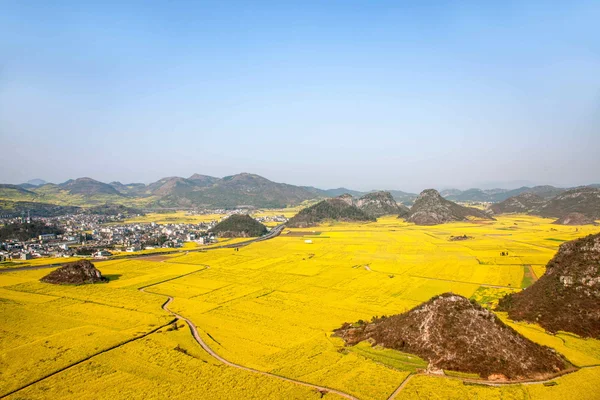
(272, 306)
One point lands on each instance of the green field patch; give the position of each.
(528, 277)
(488, 296)
(388, 357)
(464, 375)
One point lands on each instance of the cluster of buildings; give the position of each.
(100, 235)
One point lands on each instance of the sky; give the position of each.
(363, 94)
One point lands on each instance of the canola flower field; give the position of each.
(272, 306)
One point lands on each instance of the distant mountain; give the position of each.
(574, 218)
(584, 200)
(27, 186)
(203, 191)
(247, 190)
(35, 209)
(452, 333)
(336, 209)
(475, 195)
(88, 187)
(403, 197)
(380, 203)
(131, 189)
(545, 191)
(203, 180)
(431, 208)
(498, 195)
(450, 192)
(567, 296)
(523, 203)
(332, 192)
(171, 186)
(16, 192)
(36, 182)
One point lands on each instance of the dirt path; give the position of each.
(470, 283)
(209, 350)
(86, 359)
(399, 389)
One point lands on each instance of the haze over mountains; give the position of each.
(245, 189)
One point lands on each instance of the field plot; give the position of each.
(272, 306)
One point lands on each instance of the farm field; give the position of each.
(271, 306)
(181, 217)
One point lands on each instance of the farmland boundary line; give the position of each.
(87, 359)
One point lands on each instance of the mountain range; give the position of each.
(198, 190)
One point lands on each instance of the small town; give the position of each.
(99, 236)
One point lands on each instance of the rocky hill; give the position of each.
(453, 333)
(574, 219)
(431, 208)
(380, 203)
(336, 209)
(523, 203)
(239, 225)
(567, 296)
(584, 200)
(75, 273)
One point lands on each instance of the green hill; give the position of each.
(239, 225)
(331, 209)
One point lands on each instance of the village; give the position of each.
(99, 236)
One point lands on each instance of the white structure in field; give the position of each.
(308, 241)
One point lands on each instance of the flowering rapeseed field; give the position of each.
(272, 306)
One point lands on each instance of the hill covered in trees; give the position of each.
(336, 209)
(239, 225)
(25, 231)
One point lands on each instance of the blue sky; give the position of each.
(362, 94)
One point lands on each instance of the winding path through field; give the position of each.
(210, 351)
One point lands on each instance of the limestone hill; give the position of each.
(453, 333)
(380, 203)
(431, 208)
(574, 218)
(523, 203)
(584, 200)
(75, 273)
(567, 296)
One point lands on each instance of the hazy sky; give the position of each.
(363, 94)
